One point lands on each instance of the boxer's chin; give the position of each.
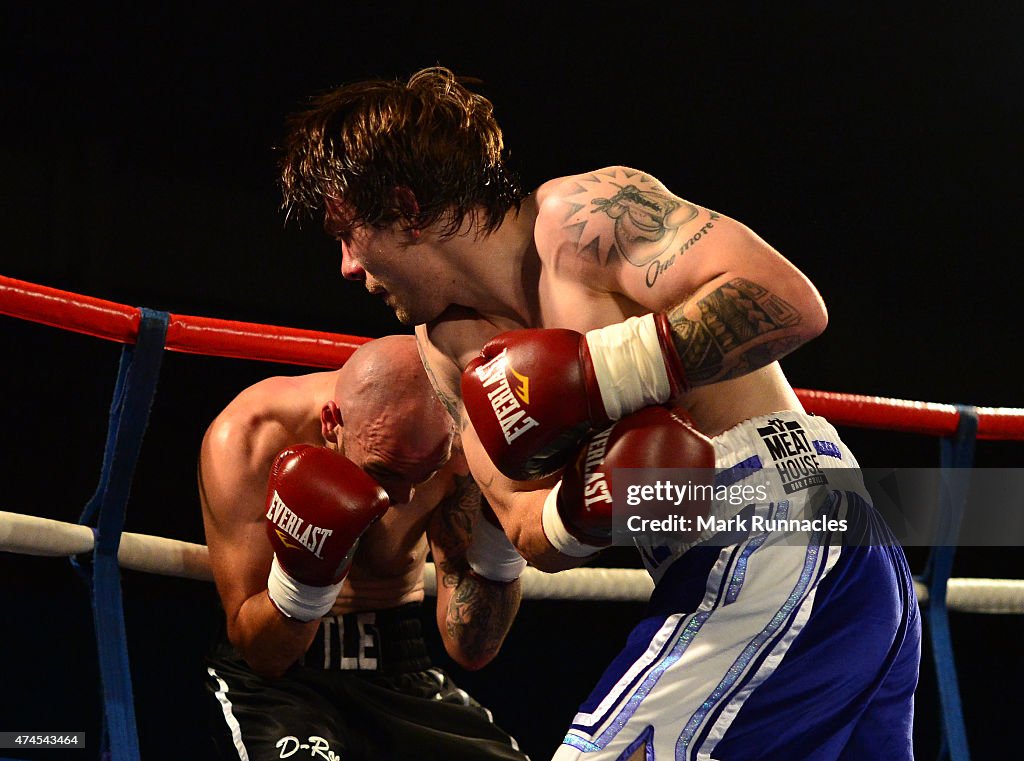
(410, 315)
(405, 316)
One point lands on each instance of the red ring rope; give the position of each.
(185, 333)
(247, 340)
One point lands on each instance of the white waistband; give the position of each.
(787, 459)
(779, 436)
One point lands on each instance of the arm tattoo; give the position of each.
(480, 614)
(645, 221)
(479, 611)
(455, 527)
(646, 217)
(659, 265)
(731, 336)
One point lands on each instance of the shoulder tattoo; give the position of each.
(646, 217)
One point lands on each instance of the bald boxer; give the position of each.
(547, 319)
(321, 496)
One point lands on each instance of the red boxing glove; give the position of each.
(534, 395)
(578, 511)
(318, 505)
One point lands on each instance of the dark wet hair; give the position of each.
(354, 146)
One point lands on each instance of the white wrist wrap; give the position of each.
(558, 534)
(297, 600)
(629, 365)
(490, 554)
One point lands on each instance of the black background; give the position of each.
(877, 148)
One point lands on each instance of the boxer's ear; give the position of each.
(330, 421)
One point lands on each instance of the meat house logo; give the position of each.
(793, 455)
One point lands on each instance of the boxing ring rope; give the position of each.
(247, 340)
(185, 333)
(147, 333)
(29, 535)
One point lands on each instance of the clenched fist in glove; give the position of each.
(534, 395)
(578, 511)
(318, 505)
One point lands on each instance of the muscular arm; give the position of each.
(473, 614)
(234, 464)
(519, 505)
(734, 303)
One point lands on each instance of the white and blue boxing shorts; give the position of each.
(768, 644)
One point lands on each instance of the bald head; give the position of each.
(393, 420)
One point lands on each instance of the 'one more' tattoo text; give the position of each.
(655, 268)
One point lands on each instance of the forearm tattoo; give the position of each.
(734, 333)
(456, 515)
(479, 611)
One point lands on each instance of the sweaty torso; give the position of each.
(566, 299)
(387, 570)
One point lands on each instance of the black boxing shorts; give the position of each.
(364, 690)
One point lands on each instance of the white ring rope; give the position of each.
(29, 535)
